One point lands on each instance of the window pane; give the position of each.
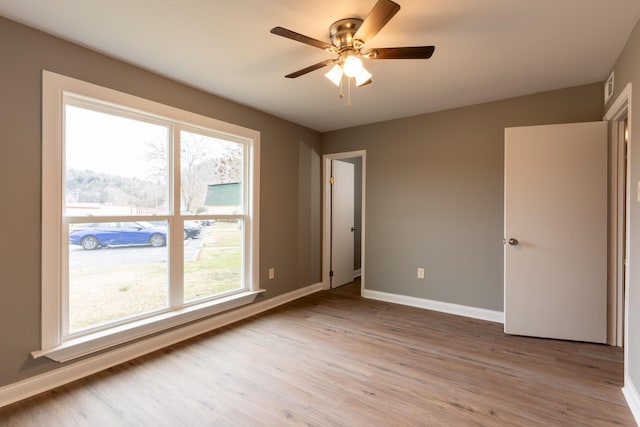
(117, 270)
(114, 165)
(213, 262)
(211, 172)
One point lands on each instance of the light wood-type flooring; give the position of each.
(335, 359)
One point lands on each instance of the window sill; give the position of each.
(92, 343)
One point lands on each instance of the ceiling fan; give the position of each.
(348, 37)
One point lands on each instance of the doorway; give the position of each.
(619, 186)
(358, 159)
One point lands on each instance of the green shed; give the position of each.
(229, 194)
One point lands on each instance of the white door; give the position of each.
(342, 223)
(556, 231)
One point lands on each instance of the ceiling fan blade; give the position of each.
(378, 17)
(279, 31)
(310, 68)
(414, 52)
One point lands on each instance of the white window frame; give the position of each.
(54, 344)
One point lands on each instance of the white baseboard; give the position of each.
(357, 273)
(68, 373)
(633, 398)
(445, 307)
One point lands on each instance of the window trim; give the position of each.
(53, 345)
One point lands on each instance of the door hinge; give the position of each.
(331, 273)
(331, 180)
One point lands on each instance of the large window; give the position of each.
(149, 217)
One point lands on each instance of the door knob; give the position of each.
(513, 242)
(353, 229)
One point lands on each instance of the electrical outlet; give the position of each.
(272, 273)
(420, 273)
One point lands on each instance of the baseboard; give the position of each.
(445, 307)
(633, 398)
(40, 383)
(357, 273)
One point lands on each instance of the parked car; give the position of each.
(191, 229)
(204, 222)
(125, 233)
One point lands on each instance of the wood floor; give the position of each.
(335, 359)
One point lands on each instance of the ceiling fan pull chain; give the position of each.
(349, 92)
(341, 94)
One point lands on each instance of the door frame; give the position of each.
(326, 214)
(620, 109)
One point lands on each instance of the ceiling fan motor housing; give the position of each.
(341, 33)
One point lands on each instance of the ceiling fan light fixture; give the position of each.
(362, 77)
(335, 74)
(348, 37)
(352, 66)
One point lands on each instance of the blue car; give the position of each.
(104, 234)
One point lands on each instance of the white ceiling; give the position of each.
(485, 50)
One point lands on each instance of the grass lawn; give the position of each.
(105, 294)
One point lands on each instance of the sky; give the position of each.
(118, 145)
(110, 144)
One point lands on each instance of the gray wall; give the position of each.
(290, 211)
(434, 194)
(627, 70)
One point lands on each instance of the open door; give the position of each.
(342, 222)
(556, 231)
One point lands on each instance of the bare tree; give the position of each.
(158, 156)
(193, 171)
(207, 161)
